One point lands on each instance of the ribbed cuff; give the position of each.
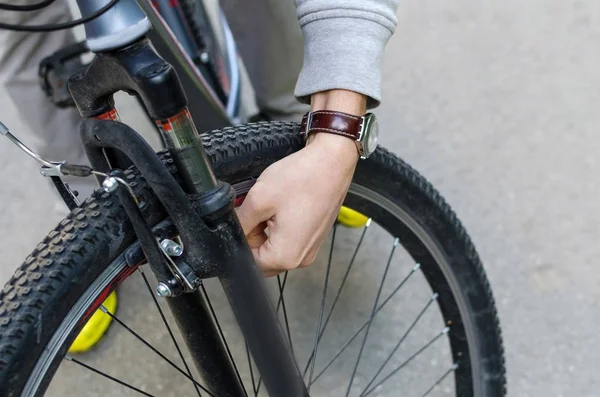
(342, 53)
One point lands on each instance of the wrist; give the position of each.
(336, 146)
(340, 101)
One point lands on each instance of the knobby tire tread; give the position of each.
(61, 267)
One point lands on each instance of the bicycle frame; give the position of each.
(201, 210)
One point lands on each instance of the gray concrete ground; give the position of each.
(495, 102)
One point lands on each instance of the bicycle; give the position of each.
(173, 212)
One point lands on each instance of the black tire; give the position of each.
(61, 268)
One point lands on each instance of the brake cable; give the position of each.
(58, 26)
(25, 8)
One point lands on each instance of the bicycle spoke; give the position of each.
(441, 379)
(254, 389)
(214, 315)
(258, 386)
(149, 346)
(162, 316)
(370, 321)
(280, 290)
(389, 357)
(285, 317)
(104, 374)
(339, 291)
(323, 298)
(408, 360)
(349, 341)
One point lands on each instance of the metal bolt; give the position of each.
(110, 184)
(171, 248)
(204, 57)
(163, 290)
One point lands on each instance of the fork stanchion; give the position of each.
(181, 137)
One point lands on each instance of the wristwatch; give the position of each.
(362, 130)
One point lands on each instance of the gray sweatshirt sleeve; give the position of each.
(344, 42)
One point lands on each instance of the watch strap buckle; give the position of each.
(306, 124)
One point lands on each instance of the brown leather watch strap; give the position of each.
(332, 122)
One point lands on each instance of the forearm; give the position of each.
(344, 44)
(339, 100)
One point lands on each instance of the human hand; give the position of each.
(298, 198)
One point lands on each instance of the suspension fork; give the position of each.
(201, 208)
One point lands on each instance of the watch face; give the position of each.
(370, 136)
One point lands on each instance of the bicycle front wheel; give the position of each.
(396, 304)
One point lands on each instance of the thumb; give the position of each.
(253, 228)
(266, 258)
(250, 217)
(257, 208)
